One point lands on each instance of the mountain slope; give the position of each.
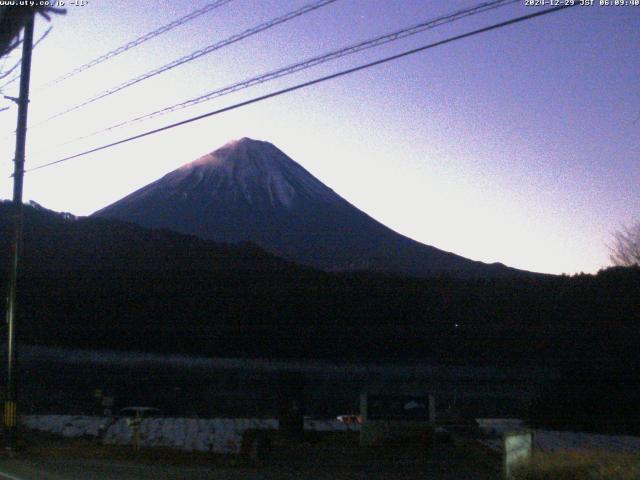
(251, 191)
(105, 284)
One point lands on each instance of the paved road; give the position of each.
(300, 463)
(39, 469)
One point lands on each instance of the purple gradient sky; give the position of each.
(516, 146)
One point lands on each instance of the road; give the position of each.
(303, 463)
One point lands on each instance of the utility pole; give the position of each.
(11, 402)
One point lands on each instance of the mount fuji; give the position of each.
(250, 191)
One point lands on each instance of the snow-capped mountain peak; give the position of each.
(257, 170)
(249, 190)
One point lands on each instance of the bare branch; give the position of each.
(625, 249)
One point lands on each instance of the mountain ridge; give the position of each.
(250, 190)
(99, 283)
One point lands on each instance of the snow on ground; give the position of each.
(553, 441)
(330, 426)
(220, 435)
(68, 425)
(224, 435)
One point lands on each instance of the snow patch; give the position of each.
(554, 441)
(219, 435)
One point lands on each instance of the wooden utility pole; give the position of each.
(11, 402)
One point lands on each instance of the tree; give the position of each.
(14, 17)
(625, 250)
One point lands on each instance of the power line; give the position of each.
(19, 62)
(310, 62)
(197, 54)
(134, 43)
(9, 82)
(307, 84)
(6, 73)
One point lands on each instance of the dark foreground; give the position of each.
(337, 457)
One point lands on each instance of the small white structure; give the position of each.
(517, 449)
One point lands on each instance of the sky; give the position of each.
(519, 145)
